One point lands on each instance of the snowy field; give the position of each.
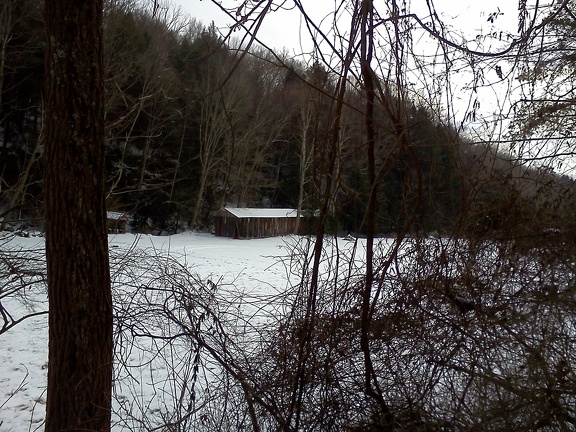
(195, 314)
(254, 268)
(251, 265)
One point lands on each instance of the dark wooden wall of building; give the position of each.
(230, 226)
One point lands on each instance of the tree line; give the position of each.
(194, 123)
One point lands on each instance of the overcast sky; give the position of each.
(282, 28)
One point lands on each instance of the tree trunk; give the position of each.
(199, 197)
(80, 305)
(6, 9)
(304, 160)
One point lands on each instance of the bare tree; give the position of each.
(469, 329)
(214, 126)
(355, 312)
(141, 86)
(259, 122)
(19, 49)
(22, 273)
(6, 24)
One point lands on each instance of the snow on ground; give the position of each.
(252, 266)
(23, 361)
(243, 261)
(23, 357)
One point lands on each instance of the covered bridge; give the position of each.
(256, 222)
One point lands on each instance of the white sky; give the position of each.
(283, 28)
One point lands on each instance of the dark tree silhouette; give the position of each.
(80, 316)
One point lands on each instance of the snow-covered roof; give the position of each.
(115, 215)
(245, 212)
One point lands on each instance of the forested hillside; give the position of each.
(194, 123)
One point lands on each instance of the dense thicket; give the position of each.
(191, 125)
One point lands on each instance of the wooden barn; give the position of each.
(256, 223)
